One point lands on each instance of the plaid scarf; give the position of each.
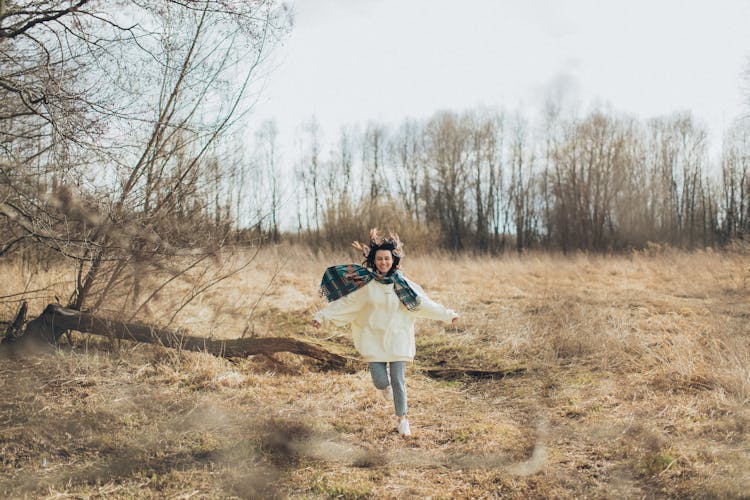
(339, 281)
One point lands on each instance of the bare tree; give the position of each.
(339, 213)
(589, 167)
(308, 173)
(373, 153)
(676, 155)
(130, 107)
(268, 182)
(486, 159)
(407, 156)
(522, 184)
(448, 138)
(735, 182)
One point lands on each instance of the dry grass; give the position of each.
(637, 384)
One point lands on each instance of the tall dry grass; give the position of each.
(636, 384)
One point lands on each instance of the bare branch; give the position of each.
(36, 17)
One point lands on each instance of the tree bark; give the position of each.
(56, 319)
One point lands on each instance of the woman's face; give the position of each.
(383, 261)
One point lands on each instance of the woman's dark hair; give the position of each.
(377, 242)
(370, 260)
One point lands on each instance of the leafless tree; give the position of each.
(735, 182)
(522, 186)
(308, 172)
(340, 220)
(373, 153)
(676, 157)
(407, 157)
(486, 159)
(448, 140)
(267, 185)
(111, 127)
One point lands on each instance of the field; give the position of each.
(635, 383)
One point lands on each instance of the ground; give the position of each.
(634, 381)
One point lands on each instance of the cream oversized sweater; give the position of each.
(383, 328)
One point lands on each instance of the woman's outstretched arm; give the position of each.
(430, 309)
(343, 310)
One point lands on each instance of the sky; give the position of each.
(351, 61)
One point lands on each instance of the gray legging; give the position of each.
(379, 372)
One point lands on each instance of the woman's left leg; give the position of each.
(398, 382)
(379, 374)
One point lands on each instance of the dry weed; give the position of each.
(636, 385)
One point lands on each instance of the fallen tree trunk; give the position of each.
(56, 319)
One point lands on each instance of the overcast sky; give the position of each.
(350, 61)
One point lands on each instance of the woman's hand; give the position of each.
(316, 323)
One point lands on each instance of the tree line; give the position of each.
(483, 180)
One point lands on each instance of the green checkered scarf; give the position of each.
(339, 281)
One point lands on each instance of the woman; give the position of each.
(381, 305)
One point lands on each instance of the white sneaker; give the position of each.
(403, 427)
(387, 393)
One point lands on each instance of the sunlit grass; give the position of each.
(636, 384)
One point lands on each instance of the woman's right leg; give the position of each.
(398, 381)
(379, 373)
